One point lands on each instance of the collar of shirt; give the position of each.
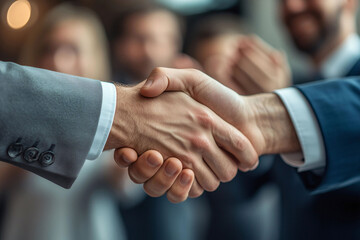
(343, 59)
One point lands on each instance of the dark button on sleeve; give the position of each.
(31, 154)
(47, 158)
(15, 149)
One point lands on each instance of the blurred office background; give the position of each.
(18, 19)
(247, 208)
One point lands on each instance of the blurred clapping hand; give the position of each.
(255, 67)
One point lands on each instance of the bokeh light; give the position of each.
(19, 14)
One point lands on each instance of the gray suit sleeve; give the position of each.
(48, 121)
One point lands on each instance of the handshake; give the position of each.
(183, 132)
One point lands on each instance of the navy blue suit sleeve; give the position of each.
(336, 104)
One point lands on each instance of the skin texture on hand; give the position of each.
(177, 126)
(262, 118)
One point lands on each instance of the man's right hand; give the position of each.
(177, 126)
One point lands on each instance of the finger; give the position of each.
(196, 190)
(124, 157)
(256, 65)
(257, 78)
(241, 78)
(259, 55)
(221, 164)
(244, 81)
(260, 44)
(146, 166)
(167, 79)
(265, 68)
(205, 176)
(164, 178)
(242, 153)
(280, 59)
(179, 191)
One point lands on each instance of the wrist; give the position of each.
(274, 124)
(124, 124)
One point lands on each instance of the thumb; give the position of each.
(196, 84)
(167, 79)
(155, 84)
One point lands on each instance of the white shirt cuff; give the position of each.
(105, 120)
(307, 128)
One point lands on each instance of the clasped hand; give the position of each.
(201, 137)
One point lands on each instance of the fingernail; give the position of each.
(170, 170)
(153, 162)
(148, 82)
(185, 179)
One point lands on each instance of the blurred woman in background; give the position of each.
(70, 40)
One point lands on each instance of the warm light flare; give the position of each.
(19, 14)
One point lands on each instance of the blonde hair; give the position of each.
(64, 12)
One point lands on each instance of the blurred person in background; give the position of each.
(324, 31)
(218, 41)
(146, 36)
(212, 42)
(70, 40)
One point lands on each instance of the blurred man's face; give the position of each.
(150, 40)
(312, 23)
(69, 48)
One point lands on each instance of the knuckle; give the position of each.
(196, 193)
(136, 175)
(239, 143)
(212, 186)
(230, 174)
(204, 118)
(201, 143)
(150, 191)
(157, 70)
(134, 178)
(188, 160)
